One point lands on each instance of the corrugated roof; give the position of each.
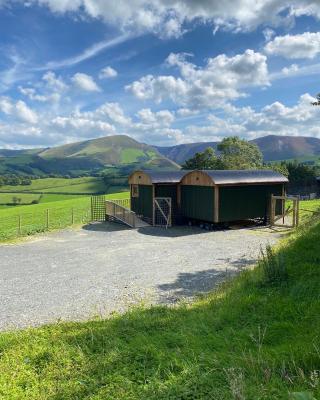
(220, 177)
(166, 176)
(226, 177)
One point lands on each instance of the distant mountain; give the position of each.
(123, 154)
(89, 156)
(182, 152)
(273, 148)
(287, 147)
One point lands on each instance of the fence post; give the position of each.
(298, 211)
(272, 210)
(47, 218)
(72, 216)
(19, 225)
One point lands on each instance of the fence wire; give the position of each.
(28, 223)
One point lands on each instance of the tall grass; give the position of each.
(274, 267)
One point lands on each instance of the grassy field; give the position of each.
(49, 190)
(31, 219)
(80, 185)
(18, 198)
(256, 338)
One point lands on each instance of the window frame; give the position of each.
(135, 190)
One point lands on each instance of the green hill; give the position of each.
(120, 151)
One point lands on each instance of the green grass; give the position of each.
(251, 339)
(25, 198)
(49, 198)
(79, 185)
(131, 155)
(34, 218)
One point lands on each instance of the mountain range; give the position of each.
(122, 153)
(273, 148)
(119, 151)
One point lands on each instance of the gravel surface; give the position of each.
(77, 274)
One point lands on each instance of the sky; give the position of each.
(164, 72)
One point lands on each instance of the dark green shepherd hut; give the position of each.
(208, 196)
(147, 186)
(225, 196)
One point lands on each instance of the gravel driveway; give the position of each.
(76, 274)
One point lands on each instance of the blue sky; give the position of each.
(163, 72)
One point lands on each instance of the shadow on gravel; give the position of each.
(176, 231)
(105, 227)
(187, 285)
(173, 232)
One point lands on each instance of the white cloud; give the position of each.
(32, 94)
(54, 82)
(186, 112)
(6, 105)
(107, 72)
(19, 110)
(268, 34)
(160, 118)
(24, 113)
(85, 82)
(113, 111)
(166, 17)
(305, 45)
(26, 128)
(80, 126)
(223, 78)
(293, 69)
(274, 119)
(88, 53)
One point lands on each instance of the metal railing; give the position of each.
(122, 202)
(120, 213)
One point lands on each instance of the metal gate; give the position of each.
(98, 208)
(162, 211)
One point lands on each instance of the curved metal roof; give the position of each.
(166, 176)
(219, 177)
(227, 177)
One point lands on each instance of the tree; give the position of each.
(203, 160)
(317, 102)
(301, 175)
(278, 167)
(236, 153)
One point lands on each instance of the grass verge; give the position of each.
(255, 338)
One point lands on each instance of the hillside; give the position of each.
(272, 147)
(286, 147)
(183, 152)
(89, 156)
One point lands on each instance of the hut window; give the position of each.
(135, 190)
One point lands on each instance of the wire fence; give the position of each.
(29, 223)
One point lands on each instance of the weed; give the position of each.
(274, 267)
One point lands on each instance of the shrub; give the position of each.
(273, 266)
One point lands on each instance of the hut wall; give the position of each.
(247, 201)
(142, 205)
(197, 202)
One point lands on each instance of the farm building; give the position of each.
(211, 196)
(147, 187)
